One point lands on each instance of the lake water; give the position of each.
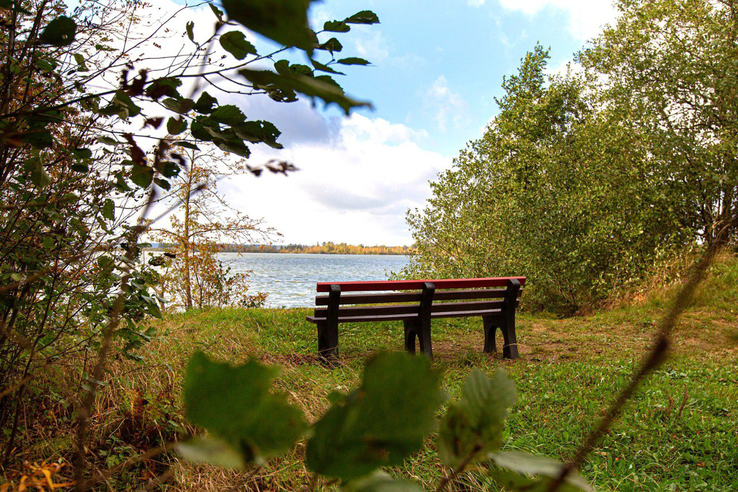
(289, 279)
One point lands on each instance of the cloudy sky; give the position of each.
(437, 67)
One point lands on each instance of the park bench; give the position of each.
(416, 303)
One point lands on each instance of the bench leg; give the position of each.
(327, 342)
(510, 349)
(411, 332)
(415, 329)
(490, 329)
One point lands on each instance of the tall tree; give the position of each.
(194, 276)
(669, 68)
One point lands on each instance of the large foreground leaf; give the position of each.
(236, 404)
(474, 425)
(286, 85)
(284, 21)
(382, 422)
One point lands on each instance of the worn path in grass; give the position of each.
(679, 432)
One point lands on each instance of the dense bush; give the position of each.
(586, 182)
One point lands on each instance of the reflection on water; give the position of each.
(290, 279)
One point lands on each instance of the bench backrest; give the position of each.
(451, 283)
(402, 299)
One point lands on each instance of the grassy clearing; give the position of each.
(679, 432)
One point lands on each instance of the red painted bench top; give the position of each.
(463, 283)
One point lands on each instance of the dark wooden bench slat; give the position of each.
(371, 310)
(385, 297)
(411, 309)
(407, 317)
(466, 314)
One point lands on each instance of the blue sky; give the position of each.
(437, 67)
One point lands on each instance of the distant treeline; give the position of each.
(326, 248)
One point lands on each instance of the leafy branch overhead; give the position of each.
(226, 127)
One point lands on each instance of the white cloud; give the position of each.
(371, 45)
(475, 3)
(355, 188)
(446, 105)
(586, 17)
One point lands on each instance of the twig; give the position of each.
(459, 468)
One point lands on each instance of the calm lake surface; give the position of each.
(290, 279)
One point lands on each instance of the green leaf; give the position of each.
(59, 32)
(175, 126)
(107, 140)
(163, 183)
(82, 66)
(199, 131)
(236, 44)
(332, 45)
(363, 17)
(47, 66)
(169, 169)
(218, 13)
(180, 106)
(142, 175)
(336, 26)
(236, 404)
(380, 481)
(475, 423)
(284, 21)
(234, 146)
(325, 68)
(108, 209)
(81, 153)
(186, 145)
(516, 468)
(14, 5)
(122, 105)
(38, 174)
(381, 423)
(166, 86)
(352, 60)
(283, 67)
(205, 103)
(81, 167)
(190, 33)
(259, 132)
(210, 450)
(309, 86)
(228, 115)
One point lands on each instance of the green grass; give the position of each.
(678, 432)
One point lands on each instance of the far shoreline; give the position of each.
(326, 248)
